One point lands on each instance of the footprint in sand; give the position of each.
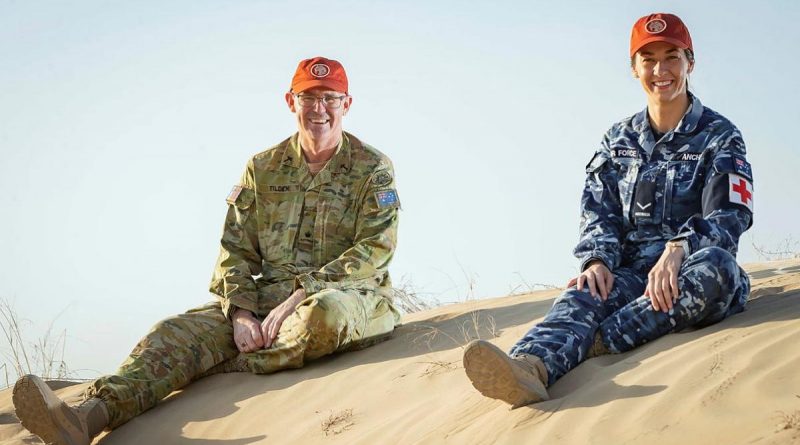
(720, 390)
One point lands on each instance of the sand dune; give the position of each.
(737, 382)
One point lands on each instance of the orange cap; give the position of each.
(660, 27)
(319, 72)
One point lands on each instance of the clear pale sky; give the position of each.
(123, 126)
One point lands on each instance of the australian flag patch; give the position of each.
(742, 167)
(387, 199)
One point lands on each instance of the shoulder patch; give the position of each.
(241, 196)
(382, 178)
(235, 192)
(742, 167)
(740, 191)
(387, 199)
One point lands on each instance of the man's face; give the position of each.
(662, 69)
(318, 116)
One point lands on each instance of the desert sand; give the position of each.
(737, 382)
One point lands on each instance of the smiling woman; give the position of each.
(667, 196)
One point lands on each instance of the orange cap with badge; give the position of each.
(660, 27)
(319, 72)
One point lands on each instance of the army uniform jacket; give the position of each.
(287, 229)
(693, 184)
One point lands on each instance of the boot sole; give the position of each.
(490, 372)
(36, 405)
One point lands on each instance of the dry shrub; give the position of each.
(337, 423)
(43, 357)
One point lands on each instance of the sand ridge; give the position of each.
(734, 382)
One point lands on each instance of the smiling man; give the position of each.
(302, 272)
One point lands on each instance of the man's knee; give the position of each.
(322, 311)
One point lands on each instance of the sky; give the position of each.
(124, 125)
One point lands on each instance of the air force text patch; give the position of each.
(625, 153)
(387, 199)
(740, 191)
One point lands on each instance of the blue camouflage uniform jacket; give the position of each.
(694, 184)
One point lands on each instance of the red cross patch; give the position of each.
(740, 191)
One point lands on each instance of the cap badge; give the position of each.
(320, 70)
(655, 26)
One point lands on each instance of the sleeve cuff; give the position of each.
(309, 284)
(690, 242)
(229, 305)
(596, 257)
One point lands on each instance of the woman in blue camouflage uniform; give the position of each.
(667, 196)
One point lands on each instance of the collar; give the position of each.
(690, 119)
(339, 162)
(687, 124)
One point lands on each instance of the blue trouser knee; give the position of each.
(712, 287)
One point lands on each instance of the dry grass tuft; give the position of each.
(407, 298)
(526, 287)
(789, 421)
(785, 249)
(337, 423)
(44, 357)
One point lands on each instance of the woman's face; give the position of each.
(663, 70)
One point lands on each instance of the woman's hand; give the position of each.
(598, 277)
(662, 281)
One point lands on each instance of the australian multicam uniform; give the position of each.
(333, 234)
(693, 184)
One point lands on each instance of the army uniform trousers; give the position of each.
(200, 342)
(711, 287)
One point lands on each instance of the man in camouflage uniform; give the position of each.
(302, 272)
(661, 216)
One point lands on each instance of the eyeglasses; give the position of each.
(328, 101)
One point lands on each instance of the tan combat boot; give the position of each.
(45, 415)
(518, 381)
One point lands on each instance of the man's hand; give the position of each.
(272, 324)
(246, 331)
(662, 281)
(598, 277)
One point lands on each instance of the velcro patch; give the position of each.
(382, 178)
(742, 167)
(387, 199)
(625, 153)
(687, 157)
(740, 191)
(282, 188)
(644, 202)
(231, 199)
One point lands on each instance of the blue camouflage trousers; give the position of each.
(711, 287)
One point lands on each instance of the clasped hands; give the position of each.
(251, 335)
(662, 281)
